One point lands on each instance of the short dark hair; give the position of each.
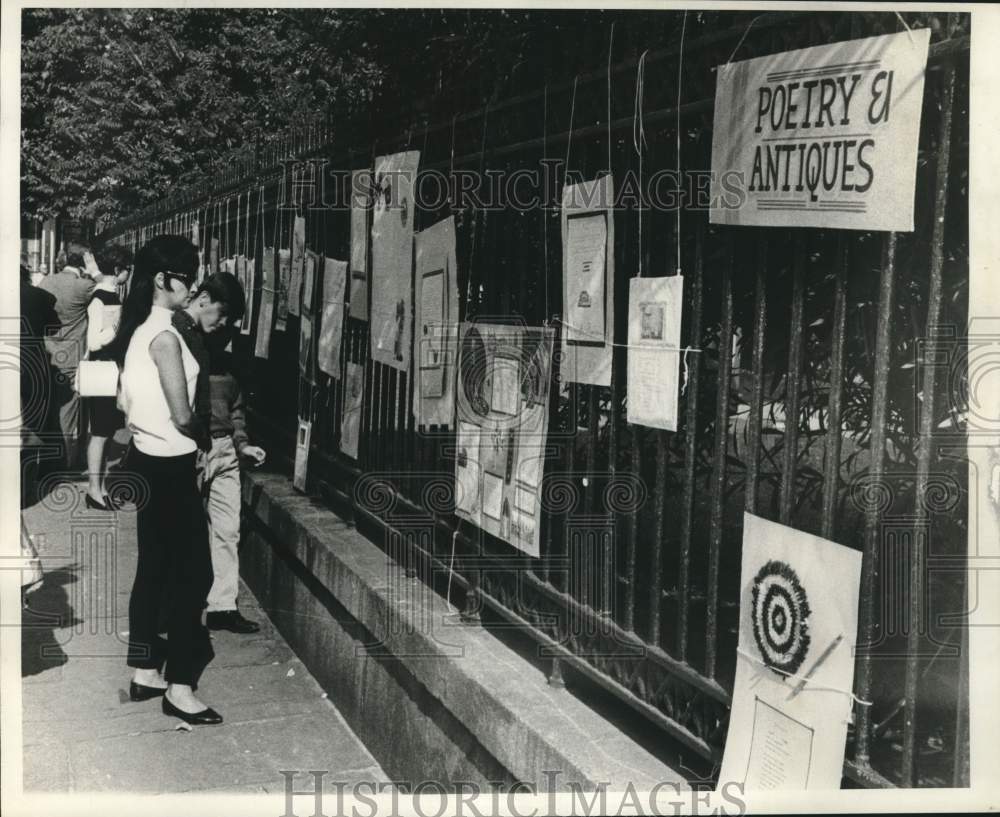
(224, 288)
(111, 257)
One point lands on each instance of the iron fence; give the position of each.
(828, 393)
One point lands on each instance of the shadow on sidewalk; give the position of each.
(47, 610)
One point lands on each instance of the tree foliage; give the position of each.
(120, 107)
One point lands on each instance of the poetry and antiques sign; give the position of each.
(821, 137)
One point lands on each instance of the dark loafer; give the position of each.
(231, 620)
(207, 716)
(141, 692)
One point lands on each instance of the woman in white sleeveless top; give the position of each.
(174, 570)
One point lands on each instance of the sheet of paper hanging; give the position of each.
(297, 265)
(265, 319)
(284, 272)
(305, 347)
(194, 233)
(797, 629)
(392, 259)
(361, 181)
(502, 400)
(468, 472)
(654, 356)
(588, 282)
(213, 257)
(302, 440)
(251, 281)
(331, 327)
(309, 280)
(229, 266)
(437, 324)
(350, 426)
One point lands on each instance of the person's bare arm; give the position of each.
(165, 350)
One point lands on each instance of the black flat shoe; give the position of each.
(207, 716)
(94, 505)
(231, 620)
(141, 692)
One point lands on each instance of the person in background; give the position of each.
(221, 480)
(174, 568)
(72, 289)
(38, 315)
(206, 310)
(105, 419)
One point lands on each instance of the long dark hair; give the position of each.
(165, 253)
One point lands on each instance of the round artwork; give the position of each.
(780, 612)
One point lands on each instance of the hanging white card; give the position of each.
(654, 335)
(302, 439)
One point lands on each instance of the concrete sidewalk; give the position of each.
(81, 732)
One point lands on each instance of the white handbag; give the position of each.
(97, 378)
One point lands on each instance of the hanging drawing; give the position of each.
(392, 259)
(265, 318)
(588, 282)
(654, 354)
(305, 347)
(297, 265)
(502, 401)
(792, 695)
(309, 281)
(360, 206)
(436, 333)
(284, 270)
(331, 324)
(248, 288)
(350, 427)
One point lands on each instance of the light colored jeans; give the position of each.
(221, 491)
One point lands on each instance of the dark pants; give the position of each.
(174, 573)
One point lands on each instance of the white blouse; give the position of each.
(141, 396)
(99, 335)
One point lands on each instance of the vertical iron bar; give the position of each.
(755, 420)
(719, 471)
(867, 624)
(591, 582)
(925, 453)
(690, 444)
(796, 347)
(610, 562)
(569, 557)
(960, 774)
(834, 432)
(656, 550)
